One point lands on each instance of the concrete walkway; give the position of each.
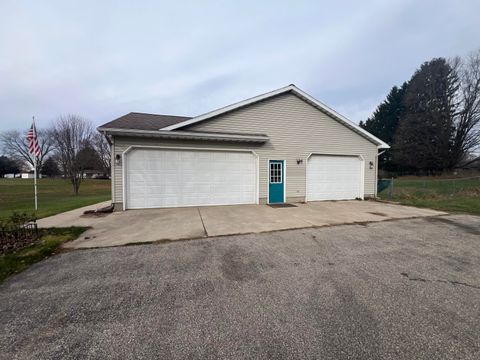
(72, 217)
(137, 226)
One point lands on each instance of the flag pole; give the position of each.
(35, 166)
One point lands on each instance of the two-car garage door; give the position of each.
(334, 177)
(172, 178)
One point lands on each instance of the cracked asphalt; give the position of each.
(406, 289)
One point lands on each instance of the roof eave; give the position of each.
(185, 135)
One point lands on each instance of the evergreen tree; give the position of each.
(89, 159)
(384, 123)
(50, 168)
(423, 138)
(8, 166)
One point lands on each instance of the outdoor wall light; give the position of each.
(299, 161)
(118, 159)
(371, 164)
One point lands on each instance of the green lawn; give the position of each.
(453, 195)
(50, 240)
(54, 195)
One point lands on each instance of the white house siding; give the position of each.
(295, 130)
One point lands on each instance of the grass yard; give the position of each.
(54, 195)
(453, 195)
(50, 240)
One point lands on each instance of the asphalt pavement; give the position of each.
(402, 289)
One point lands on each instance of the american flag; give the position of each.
(33, 147)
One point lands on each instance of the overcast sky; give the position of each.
(102, 59)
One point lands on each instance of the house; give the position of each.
(94, 174)
(282, 146)
(29, 175)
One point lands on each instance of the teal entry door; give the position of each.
(276, 178)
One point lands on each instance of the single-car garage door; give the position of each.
(334, 177)
(172, 178)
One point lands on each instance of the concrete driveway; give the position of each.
(405, 289)
(138, 226)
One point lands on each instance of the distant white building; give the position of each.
(11, 176)
(29, 175)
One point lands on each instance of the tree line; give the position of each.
(69, 147)
(432, 121)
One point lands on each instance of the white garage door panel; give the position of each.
(334, 177)
(172, 178)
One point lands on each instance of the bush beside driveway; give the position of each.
(405, 289)
(45, 245)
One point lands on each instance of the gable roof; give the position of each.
(142, 121)
(152, 124)
(292, 89)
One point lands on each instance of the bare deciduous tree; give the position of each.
(467, 119)
(102, 147)
(72, 134)
(15, 145)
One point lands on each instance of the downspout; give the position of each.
(376, 172)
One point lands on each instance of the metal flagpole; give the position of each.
(35, 164)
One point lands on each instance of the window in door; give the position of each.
(275, 173)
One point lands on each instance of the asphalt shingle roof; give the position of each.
(142, 121)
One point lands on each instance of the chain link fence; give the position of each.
(428, 188)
